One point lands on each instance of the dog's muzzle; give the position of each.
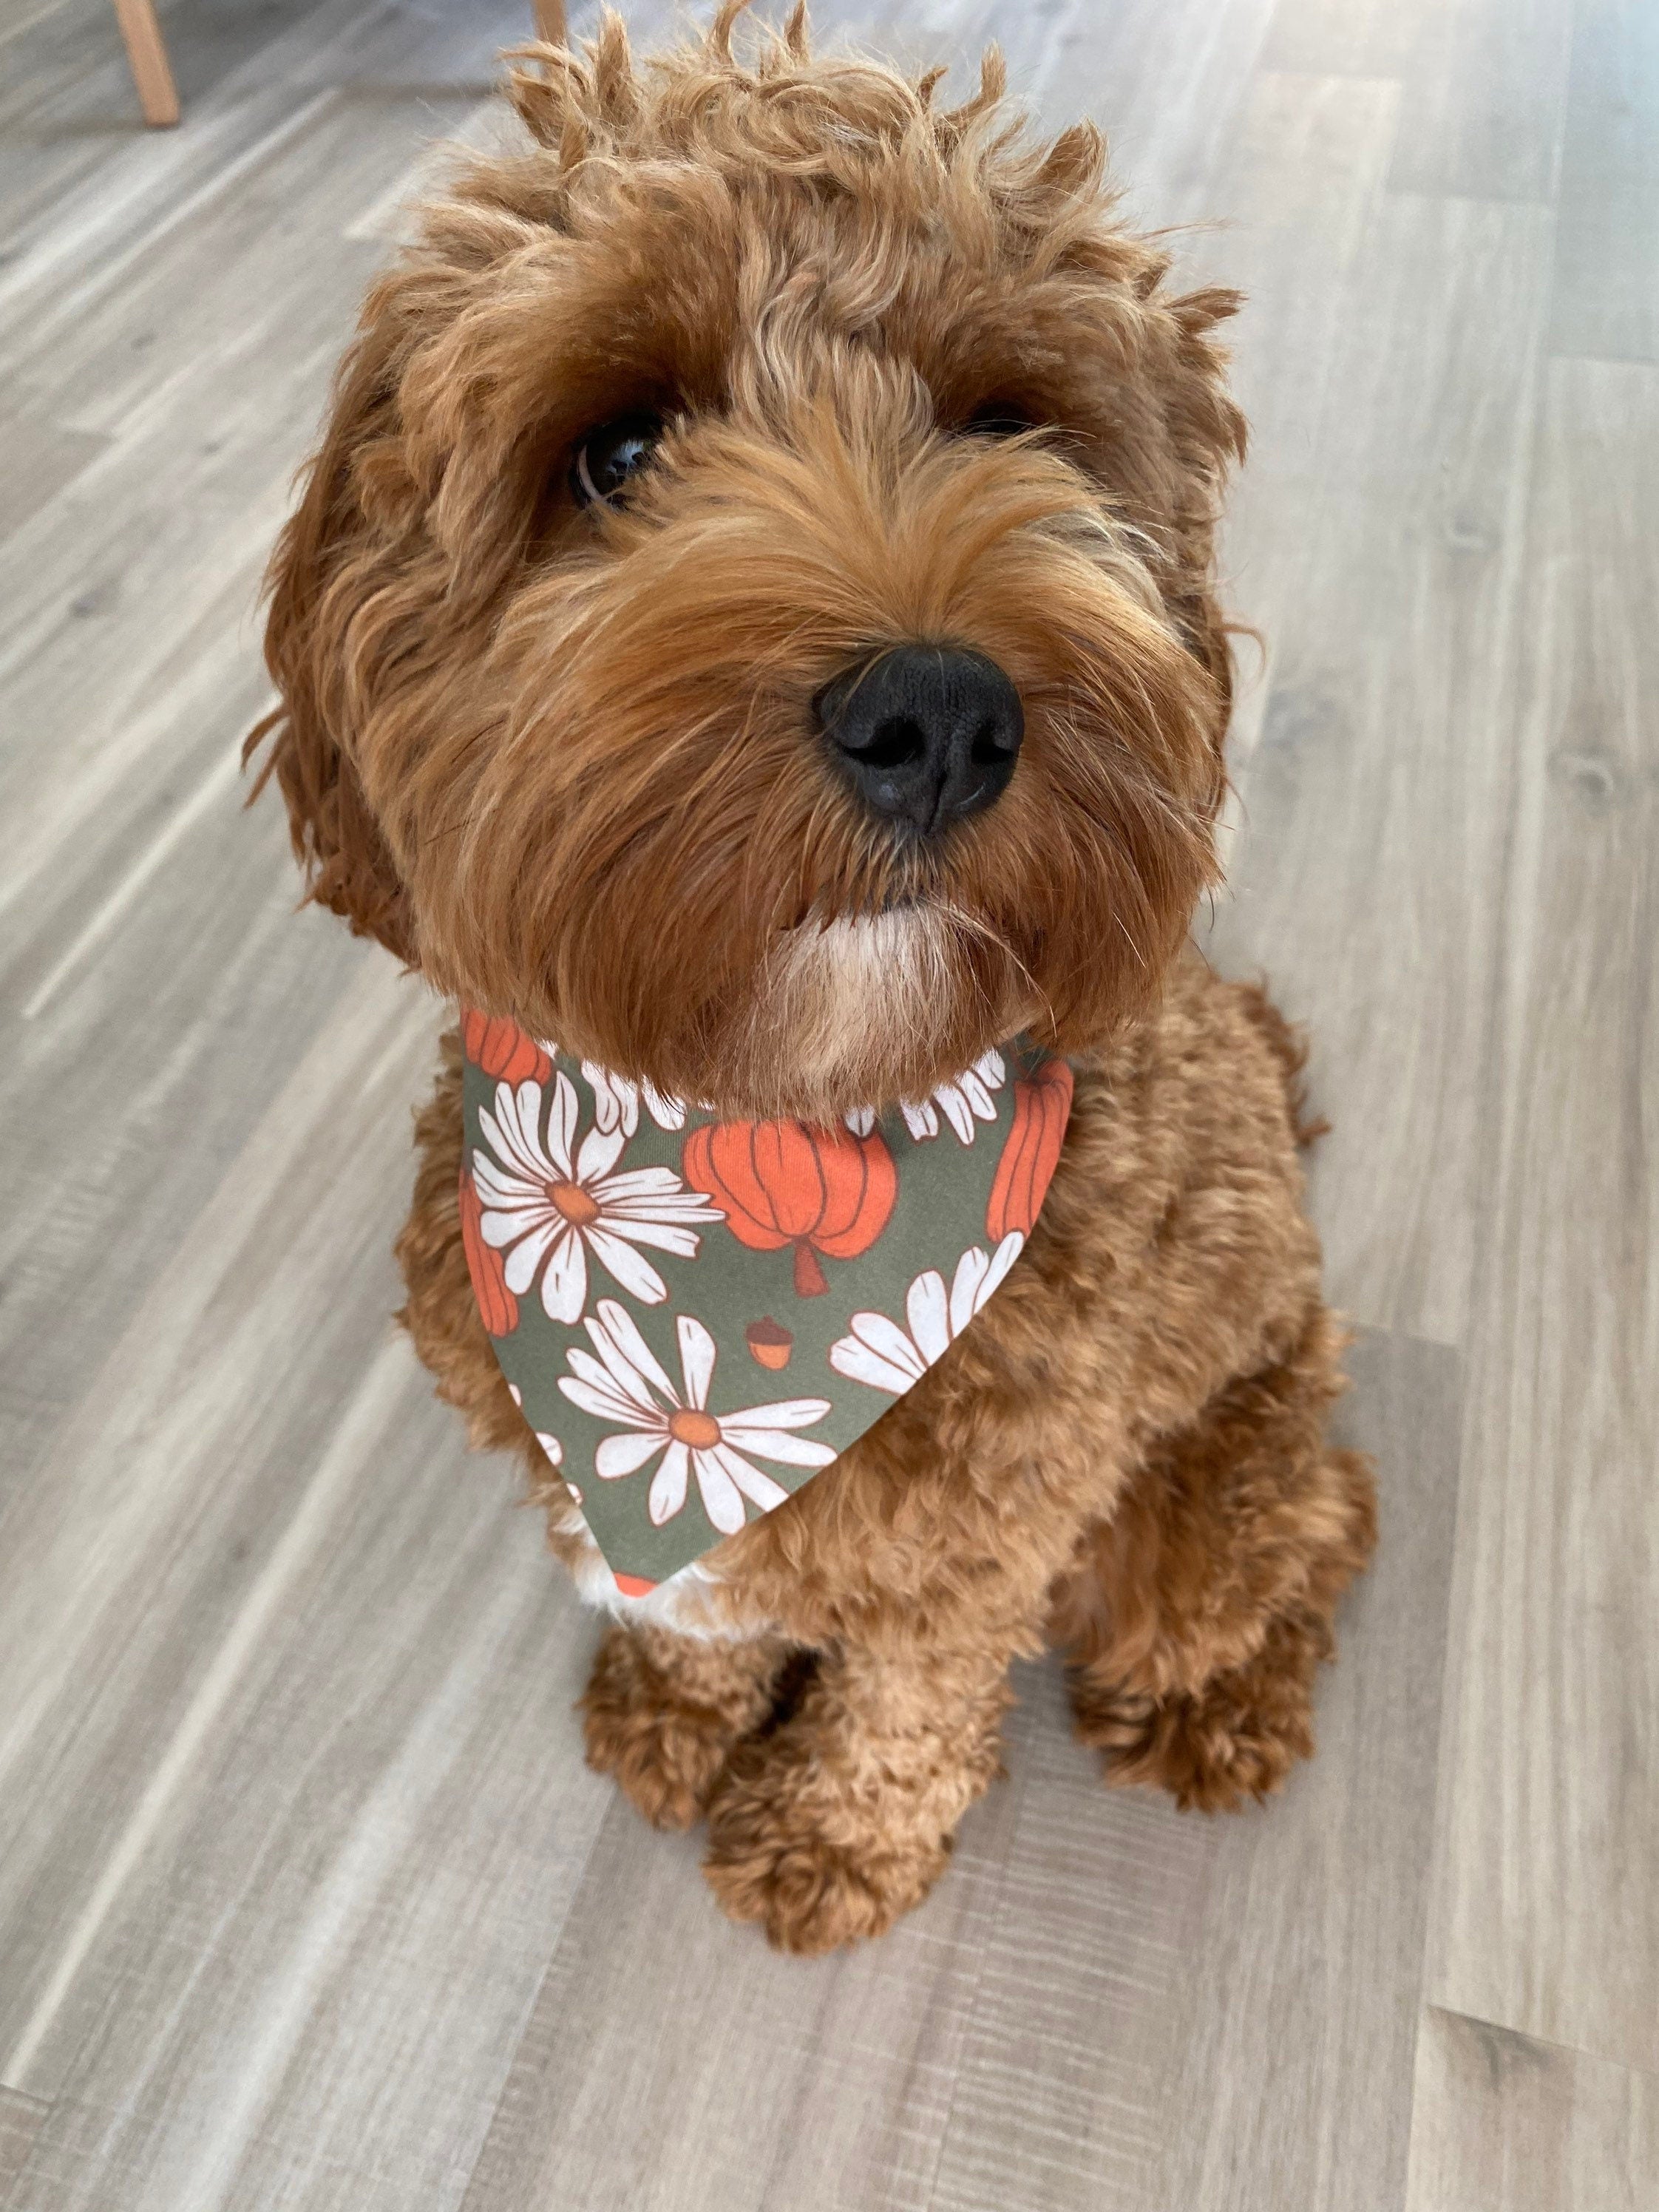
(926, 735)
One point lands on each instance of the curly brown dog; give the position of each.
(737, 378)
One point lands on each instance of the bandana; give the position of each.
(697, 1314)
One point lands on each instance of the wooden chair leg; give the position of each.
(549, 21)
(147, 55)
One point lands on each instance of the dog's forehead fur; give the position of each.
(694, 231)
(844, 148)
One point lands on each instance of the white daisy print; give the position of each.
(548, 1198)
(627, 1385)
(963, 1101)
(550, 1445)
(888, 1357)
(617, 1102)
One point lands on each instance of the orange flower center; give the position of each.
(573, 1202)
(689, 1426)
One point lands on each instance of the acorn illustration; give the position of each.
(770, 1343)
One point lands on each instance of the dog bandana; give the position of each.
(696, 1316)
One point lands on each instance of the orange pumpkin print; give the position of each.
(501, 1049)
(1031, 1153)
(497, 1304)
(828, 1193)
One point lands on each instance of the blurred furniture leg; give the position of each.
(549, 21)
(148, 58)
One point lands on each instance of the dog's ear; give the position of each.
(324, 562)
(1211, 634)
(1202, 439)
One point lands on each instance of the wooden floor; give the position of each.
(306, 1898)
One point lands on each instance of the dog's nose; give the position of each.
(927, 734)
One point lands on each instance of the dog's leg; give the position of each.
(842, 1820)
(1197, 1618)
(662, 1712)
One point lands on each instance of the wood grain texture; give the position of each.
(305, 1680)
(42, 457)
(306, 1900)
(1481, 115)
(1606, 297)
(674, 2064)
(1163, 2022)
(1377, 798)
(1169, 79)
(1300, 181)
(1482, 83)
(19, 2122)
(1551, 1787)
(1505, 2123)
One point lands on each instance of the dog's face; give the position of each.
(749, 619)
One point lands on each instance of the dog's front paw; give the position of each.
(1234, 1738)
(665, 1734)
(789, 1849)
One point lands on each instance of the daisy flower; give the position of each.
(962, 1101)
(550, 1445)
(617, 1102)
(627, 1385)
(545, 1201)
(888, 1357)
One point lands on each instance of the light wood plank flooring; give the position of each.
(306, 1897)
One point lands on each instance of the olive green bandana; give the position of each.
(696, 1316)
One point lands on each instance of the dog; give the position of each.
(749, 386)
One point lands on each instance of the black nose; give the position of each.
(927, 734)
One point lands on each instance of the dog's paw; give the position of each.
(665, 1747)
(1234, 1740)
(787, 1850)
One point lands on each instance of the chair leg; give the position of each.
(549, 21)
(147, 55)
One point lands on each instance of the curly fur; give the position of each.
(564, 761)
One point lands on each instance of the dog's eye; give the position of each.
(607, 457)
(998, 418)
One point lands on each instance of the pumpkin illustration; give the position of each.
(828, 1193)
(501, 1049)
(1031, 1153)
(497, 1304)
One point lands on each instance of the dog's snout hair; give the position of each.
(916, 385)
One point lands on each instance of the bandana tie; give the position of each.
(696, 1315)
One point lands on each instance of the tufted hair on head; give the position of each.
(910, 379)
